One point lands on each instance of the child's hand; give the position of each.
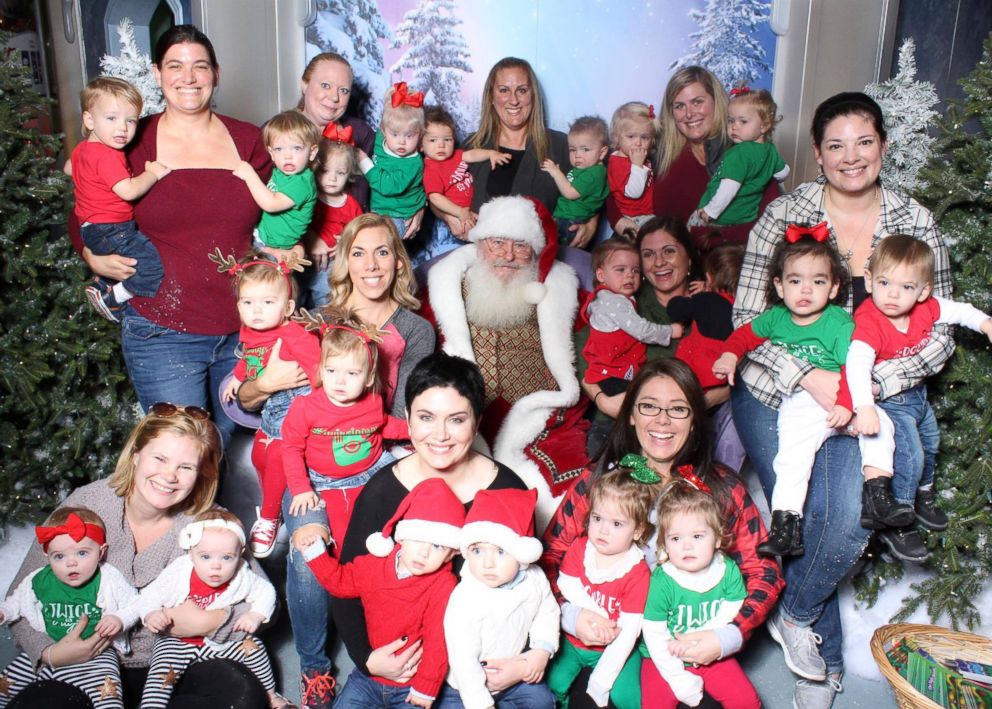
(412, 698)
(697, 287)
(986, 328)
(230, 391)
(244, 170)
(361, 155)
(551, 167)
(677, 330)
(157, 169)
(724, 367)
(304, 502)
(679, 648)
(158, 621)
(866, 421)
(838, 416)
(638, 156)
(626, 227)
(109, 626)
(497, 158)
(306, 536)
(249, 622)
(535, 661)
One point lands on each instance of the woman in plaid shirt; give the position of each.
(849, 143)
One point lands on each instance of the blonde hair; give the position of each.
(601, 254)
(263, 269)
(402, 116)
(680, 497)
(314, 63)
(108, 86)
(763, 102)
(404, 287)
(489, 126)
(183, 424)
(628, 112)
(328, 149)
(347, 339)
(292, 123)
(903, 250)
(635, 499)
(672, 141)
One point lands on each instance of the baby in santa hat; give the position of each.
(501, 603)
(404, 589)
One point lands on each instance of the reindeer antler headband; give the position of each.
(230, 265)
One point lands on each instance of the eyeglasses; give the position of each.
(500, 246)
(164, 409)
(646, 408)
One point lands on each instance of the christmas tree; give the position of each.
(958, 188)
(65, 402)
(725, 43)
(134, 66)
(437, 54)
(907, 105)
(353, 28)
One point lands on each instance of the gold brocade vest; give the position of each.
(511, 361)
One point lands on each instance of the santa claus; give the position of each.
(504, 302)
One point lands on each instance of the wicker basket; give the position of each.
(941, 643)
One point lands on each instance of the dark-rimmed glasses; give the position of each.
(646, 408)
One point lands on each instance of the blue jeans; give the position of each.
(917, 440)
(441, 242)
(519, 696)
(315, 288)
(363, 692)
(308, 602)
(832, 532)
(565, 235)
(276, 407)
(180, 367)
(124, 239)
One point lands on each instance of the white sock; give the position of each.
(121, 293)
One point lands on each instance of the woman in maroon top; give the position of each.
(179, 345)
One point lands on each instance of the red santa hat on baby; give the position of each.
(521, 219)
(504, 518)
(429, 513)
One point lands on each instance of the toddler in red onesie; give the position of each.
(404, 589)
(617, 334)
(266, 295)
(333, 436)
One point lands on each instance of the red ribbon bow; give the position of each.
(402, 95)
(651, 111)
(818, 232)
(740, 91)
(686, 473)
(339, 134)
(75, 527)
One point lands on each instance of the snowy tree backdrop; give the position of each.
(725, 42)
(437, 54)
(134, 66)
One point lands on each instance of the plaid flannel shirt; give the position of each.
(769, 371)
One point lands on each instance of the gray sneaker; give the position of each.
(799, 645)
(816, 695)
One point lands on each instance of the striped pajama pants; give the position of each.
(100, 678)
(171, 657)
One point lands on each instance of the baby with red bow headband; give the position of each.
(75, 584)
(395, 172)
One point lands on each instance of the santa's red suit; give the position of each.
(539, 433)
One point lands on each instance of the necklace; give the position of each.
(848, 252)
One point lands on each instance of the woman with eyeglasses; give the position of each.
(662, 421)
(165, 476)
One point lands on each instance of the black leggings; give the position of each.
(205, 685)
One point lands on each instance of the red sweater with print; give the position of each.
(762, 575)
(336, 441)
(298, 345)
(411, 607)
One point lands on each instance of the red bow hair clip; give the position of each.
(687, 473)
(401, 95)
(817, 232)
(339, 134)
(741, 90)
(75, 527)
(651, 111)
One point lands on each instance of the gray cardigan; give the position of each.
(139, 570)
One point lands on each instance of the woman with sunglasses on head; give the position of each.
(165, 476)
(660, 434)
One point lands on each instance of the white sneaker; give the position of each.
(262, 537)
(816, 695)
(799, 645)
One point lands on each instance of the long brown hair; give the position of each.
(489, 126)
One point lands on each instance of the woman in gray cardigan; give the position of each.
(166, 475)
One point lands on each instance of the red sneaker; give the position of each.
(316, 689)
(262, 537)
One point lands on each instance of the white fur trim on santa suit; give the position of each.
(526, 550)
(511, 217)
(555, 317)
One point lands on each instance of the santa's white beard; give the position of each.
(491, 301)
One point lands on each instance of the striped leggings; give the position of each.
(100, 678)
(171, 657)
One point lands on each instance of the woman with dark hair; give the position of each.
(445, 396)
(179, 345)
(848, 138)
(662, 422)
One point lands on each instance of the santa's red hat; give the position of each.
(521, 219)
(504, 518)
(429, 513)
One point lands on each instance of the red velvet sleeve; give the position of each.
(567, 525)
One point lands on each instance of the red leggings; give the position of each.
(339, 504)
(267, 459)
(724, 680)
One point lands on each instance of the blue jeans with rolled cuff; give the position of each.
(519, 696)
(124, 239)
(832, 531)
(917, 440)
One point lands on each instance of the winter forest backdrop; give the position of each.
(446, 47)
